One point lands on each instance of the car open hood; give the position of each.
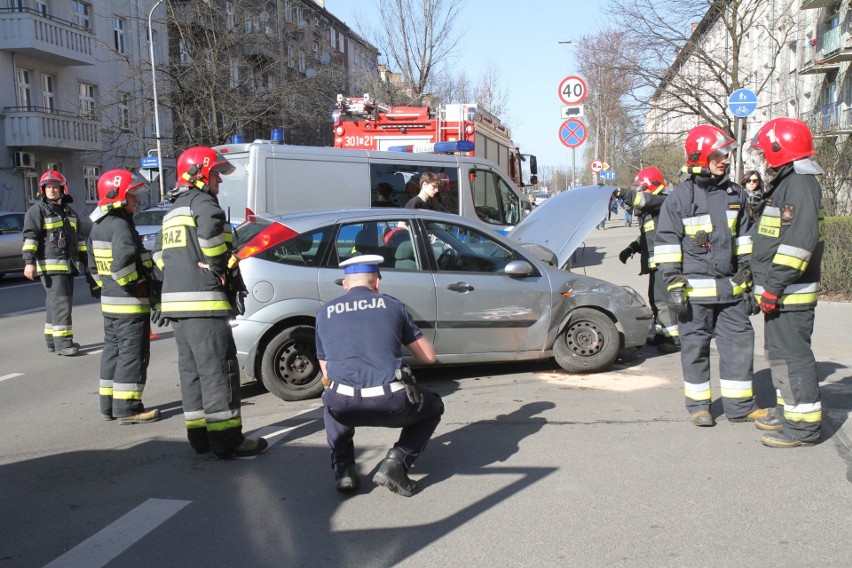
(563, 221)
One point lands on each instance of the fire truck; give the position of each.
(362, 124)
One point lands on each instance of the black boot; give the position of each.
(786, 439)
(346, 477)
(247, 448)
(771, 422)
(392, 474)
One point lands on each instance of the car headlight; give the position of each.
(634, 295)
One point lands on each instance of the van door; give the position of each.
(494, 200)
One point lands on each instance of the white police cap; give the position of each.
(364, 263)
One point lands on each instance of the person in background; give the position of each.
(753, 184)
(55, 250)
(427, 198)
(788, 248)
(359, 338)
(628, 213)
(383, 196)
(124, 271)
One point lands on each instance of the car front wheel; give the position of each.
(590, 342)
(289, 366)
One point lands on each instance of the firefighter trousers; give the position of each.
(209, 383)
(124, 365)
(787, 344)
(59, 289)
(730, 325)
(665, 321)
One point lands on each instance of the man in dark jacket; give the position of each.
(647, 196)
(124, 271)
(702, 247)
(788, 247)
(194, 251)
(55, 250)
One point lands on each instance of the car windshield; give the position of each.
(149, 217)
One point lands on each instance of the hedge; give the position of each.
(836, 280)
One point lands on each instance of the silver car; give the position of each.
(149, 222)
(478, 296)
(11, 241)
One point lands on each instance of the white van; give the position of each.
(279, 178)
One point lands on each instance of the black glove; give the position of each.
(628, 252)
(94, 288)
(157, 317)
(618, 193)
(751, 303)
(240, 302)
(677, 295)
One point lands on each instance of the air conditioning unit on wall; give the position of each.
(25, 160)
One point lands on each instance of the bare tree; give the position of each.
(417, 37)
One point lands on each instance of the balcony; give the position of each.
(25, 31)
(830, 120)
(825, 54)
(36, 127)
(808, 4)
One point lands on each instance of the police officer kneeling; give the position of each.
(358, 347)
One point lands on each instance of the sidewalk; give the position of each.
(831, 337)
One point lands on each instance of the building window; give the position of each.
(316, 49)
(31, 185)
(288, 11)
(229, 15)
(301, 61)
(80, 13)
(41, 8)
(341, 45)
(16, 5)
(234, 71)
(124, 111)
(87, 100)
(91, 180)
(24, 92)
(183, 54)
(291, 57)
(48, 88)
(332, 37)
(118, 34)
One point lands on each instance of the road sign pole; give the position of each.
(738, 162)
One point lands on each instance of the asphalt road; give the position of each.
(530, 467)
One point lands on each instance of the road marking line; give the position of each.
(101, 548)
(11, 376)
(274, 434)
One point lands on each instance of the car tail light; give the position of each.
(269, 237)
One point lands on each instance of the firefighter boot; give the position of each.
(143, 417)
(346, 477)
(392, 474)
(247, 448)
(702, 418)
(70, 351)
(771, 422)
(753, 416)
(785, 439)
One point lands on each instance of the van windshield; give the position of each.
(233, 190)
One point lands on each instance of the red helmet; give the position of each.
(704, 140)
(52, 176)
(195, 164)
(115, 185)
(649, 180)
(784, 140)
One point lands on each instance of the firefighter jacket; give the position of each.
(703, 239)
(194, 231)
(120, 265)
(647, 207)
(54, 240)
(789, 240)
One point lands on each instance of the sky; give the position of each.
(521, 40)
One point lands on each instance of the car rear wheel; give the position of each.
(590, 342)
(289, 367)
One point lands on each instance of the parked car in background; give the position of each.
(478, 296)
(540, 198)
(149, 222)
(11, 241)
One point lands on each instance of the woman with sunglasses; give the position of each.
(753, 184)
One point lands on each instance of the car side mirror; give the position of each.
(518, 268)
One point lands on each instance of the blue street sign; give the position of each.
(149, 162)
(572, 133)
(742, 102)
(608, 175)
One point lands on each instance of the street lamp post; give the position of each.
(156, 106)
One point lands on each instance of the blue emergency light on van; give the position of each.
(277, 135)
(437, 147)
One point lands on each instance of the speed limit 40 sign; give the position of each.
(572, 90)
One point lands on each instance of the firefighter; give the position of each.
(55, 250)
(701, 248)
(788, 246)
(194, 251)
(647, 196)
(124, 271)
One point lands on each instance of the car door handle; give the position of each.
(460, 287)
